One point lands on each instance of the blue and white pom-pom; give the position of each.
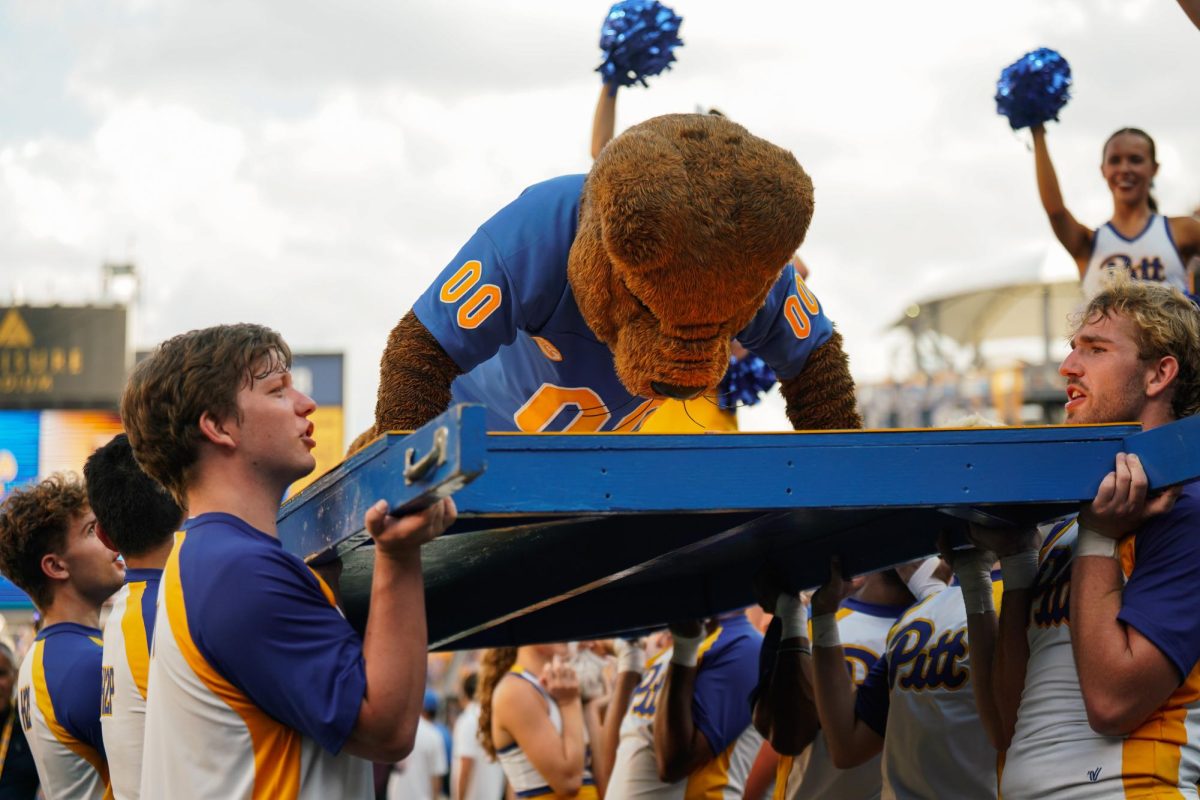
(638, 37)
(1034, 88)
(744, 382)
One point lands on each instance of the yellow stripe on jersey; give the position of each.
(783, 771)
(1151, 755)
(46, 708)
(325, 590)
(276, 746)
(709, 782)
(133, 628)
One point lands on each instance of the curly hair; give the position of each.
(133, 509)
(1166, 323)
(186, 376)
(493, 665)
(34, 521)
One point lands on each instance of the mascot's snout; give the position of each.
(676, 392)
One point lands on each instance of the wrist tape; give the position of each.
(792, 612)
(1091, 543)
(685, 653)
(974, 571)
(1019, 570)
(825, 631)
(922, 583)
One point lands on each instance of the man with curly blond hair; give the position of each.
(258, 686)
(49, 548)
(1092, 686)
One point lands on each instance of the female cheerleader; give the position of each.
(1137, 239)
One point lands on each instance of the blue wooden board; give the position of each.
(566, 536)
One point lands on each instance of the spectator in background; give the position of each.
(49, 548)
(419, 776)
(473, 774)
(18, 773)
(532, 719)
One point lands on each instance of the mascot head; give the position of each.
(685, 224)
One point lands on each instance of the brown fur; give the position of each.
(685, 224)
(415, 378)
(821, 397)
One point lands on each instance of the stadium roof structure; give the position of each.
(579, 536)
(1016, 310)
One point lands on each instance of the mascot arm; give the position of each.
(821, 396)
(414, 378)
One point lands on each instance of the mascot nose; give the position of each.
(676, 392)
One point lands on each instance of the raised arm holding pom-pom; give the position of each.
(1074, 235)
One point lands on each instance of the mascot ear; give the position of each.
(639, 191)
(687, 189)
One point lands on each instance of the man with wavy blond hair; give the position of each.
(1095, 680)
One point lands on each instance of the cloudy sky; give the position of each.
(313, 165)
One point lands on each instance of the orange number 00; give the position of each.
(798, 309)
(480, 305)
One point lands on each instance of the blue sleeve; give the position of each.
(726, 677)
(872, 701)
(789, 326)
(1160, 596)
(269, 629)
(508, 277)
(76, 694)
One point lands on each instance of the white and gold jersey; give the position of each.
(125, 672)
(58, 699)
(727, 672)
(256, 679)
(1055, 753)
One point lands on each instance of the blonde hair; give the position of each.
(1166, 323)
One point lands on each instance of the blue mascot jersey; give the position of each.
(505, 313)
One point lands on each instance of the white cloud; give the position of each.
(312, 166)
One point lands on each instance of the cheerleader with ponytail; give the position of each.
(532, 721)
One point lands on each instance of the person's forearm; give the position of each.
(591, 721)
(673, 724)
(1009, 661)
(572, 738)
(610, 734)
(1109, 677)
(604, 122)
(466, 769)
(834, 700)
(787, 710)
(974, 570)
(982, 631)
(394, 650)
(1047, 179)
